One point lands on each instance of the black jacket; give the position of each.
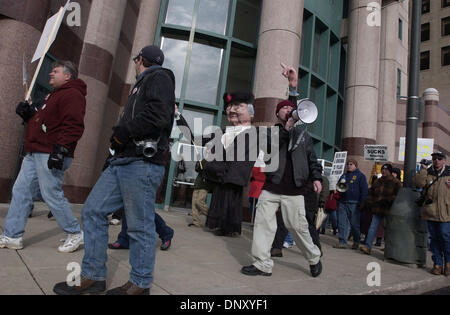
(237, 163)
(305, 165)
(149, 113)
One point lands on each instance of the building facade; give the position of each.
(352, 59)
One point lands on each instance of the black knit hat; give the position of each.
(238, 97)
(387, 167)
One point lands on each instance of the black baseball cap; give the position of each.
(153, 54)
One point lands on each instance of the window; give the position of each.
(446, 26)
(213, 16)
(425, 60)
(425, 6)
(175, 50)
(399, 82)
(446, 56)
(246, 20)
(445, 3)
(400, 29)
(180, 12)
(425, 32)
(204, 73)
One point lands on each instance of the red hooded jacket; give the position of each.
(59, 121)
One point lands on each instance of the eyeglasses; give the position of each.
(236, 106)
(136, 59)
(438, 158)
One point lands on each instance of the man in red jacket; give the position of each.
(52, 134)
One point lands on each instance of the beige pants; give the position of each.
(199, 205)
(293, 211)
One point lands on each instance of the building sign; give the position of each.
(424, 149)
(338, 168)
(377, 153)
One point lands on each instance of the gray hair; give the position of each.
(68, 68)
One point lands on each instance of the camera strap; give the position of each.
(425, 191)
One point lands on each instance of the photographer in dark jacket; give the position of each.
(286, 188)
(131, 180)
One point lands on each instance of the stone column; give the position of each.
(145, 32)
(279, 41)
(21, 25)
(431, 117)
(363, 66)
(99, 49)
(394, 56)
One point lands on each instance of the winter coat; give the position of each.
(332, 199)
(438, 194)
(60, 121)
(382, 195)
(298, 143)
(149, 112)
(325, 191)
(357, 187)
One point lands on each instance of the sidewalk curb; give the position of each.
(415, 287)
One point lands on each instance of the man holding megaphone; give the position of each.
(288, 188)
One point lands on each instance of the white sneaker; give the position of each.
(11, 243)
(287, 245)
(73, 241)
(114, 222)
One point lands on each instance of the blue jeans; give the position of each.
(376, 220)
(289, 239)
(131, 184)
(36, 176)
(165, 232)
(349, 221)
(440, 242)
(332, 214)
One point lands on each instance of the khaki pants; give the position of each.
(293, 211)
(199, 205)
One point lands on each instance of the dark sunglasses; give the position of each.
(438, 158)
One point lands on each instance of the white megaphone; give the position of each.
(306, 111)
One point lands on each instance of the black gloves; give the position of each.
(25, 110)
(56, 159)
(119, 139)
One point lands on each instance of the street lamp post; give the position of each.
(412, 119)
(406, 232)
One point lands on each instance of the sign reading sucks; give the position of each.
(376, 153)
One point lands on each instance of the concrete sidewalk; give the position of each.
(200, 263)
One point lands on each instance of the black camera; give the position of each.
(426, 162)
